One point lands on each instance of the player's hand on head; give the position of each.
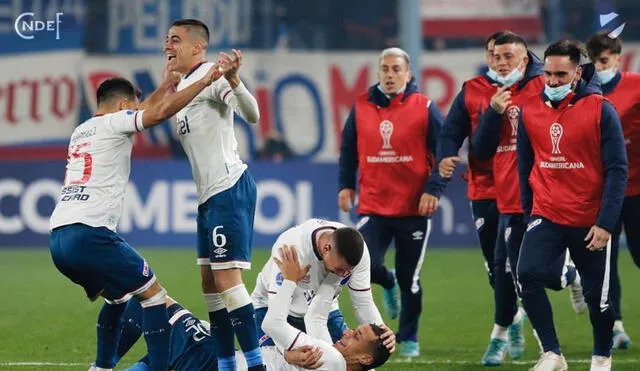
(289, 264)
(501, 99)
(597, 238)
(346, 198)
(447, 166)
(428, 204)
(306, 356)
(388, 338)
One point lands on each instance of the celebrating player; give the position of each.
(83, 242)
(573, 169)
(390, 136)
(621, 89)
(226, 190)
(520, 74)
(338, 257)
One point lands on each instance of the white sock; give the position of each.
(499, 332)
(214, 302)
(519, 314)
(617, 326)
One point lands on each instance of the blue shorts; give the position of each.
(192, 347)
(225, 226)
(100, 261)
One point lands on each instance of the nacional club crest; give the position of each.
(386, 129)
(556, 134)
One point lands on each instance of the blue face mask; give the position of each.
(493, 75)
(605, 76)
(513, 77)
(558, 93)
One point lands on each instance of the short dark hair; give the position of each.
(380, 353)
(600, 42)
(510, 38)
(116, 87)
(495, 36)
(350, 244)
(568, 48)
(194, 24)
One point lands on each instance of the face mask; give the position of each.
(511, 78)
(493, 75)
(559, 92)
(606, 75)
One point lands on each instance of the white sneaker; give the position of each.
(600, 363)
(578, 303)
(551, 361)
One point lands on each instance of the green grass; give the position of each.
(45, 318)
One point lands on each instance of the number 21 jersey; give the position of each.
(97, 172)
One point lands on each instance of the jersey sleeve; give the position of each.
(360, 291)
(127, 122)
(318, 314)
(238, 98)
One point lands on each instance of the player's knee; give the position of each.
(529, 274)
(207, 280)
(405, 277)
(227, 278)
(152, 298)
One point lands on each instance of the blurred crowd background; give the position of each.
(305, 61)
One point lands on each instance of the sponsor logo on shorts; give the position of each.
(220, 252)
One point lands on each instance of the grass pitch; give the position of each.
(47, 324)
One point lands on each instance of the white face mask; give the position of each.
(513, 77)
(605, 76)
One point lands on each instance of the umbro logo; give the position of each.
(219, 251)
(417, 235)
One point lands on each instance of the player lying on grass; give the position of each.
(191, 347)
(339, 258)
(191, 342)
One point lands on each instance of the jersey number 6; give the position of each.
(78, 151)
(219, 239)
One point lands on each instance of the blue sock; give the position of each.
(140, 366)
(221, 332)
(130, 328)
(155, 326)
(242, 317)
(108, 333)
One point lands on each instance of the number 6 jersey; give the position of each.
(98, 166)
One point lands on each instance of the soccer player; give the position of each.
(338, 257)
(192, 346)
(360, 349)
(520, 74)
(573, 169)
(621, 89)
(390, 137)
(226, 190)
(83, 243)
(461, 122)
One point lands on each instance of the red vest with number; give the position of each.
(477, 94)
(505, 161)
(392, 154)
(626, 99)
(567, 177)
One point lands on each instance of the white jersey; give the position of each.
(98, 166)
(286, 337)
(205, 129)
(302, 237)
